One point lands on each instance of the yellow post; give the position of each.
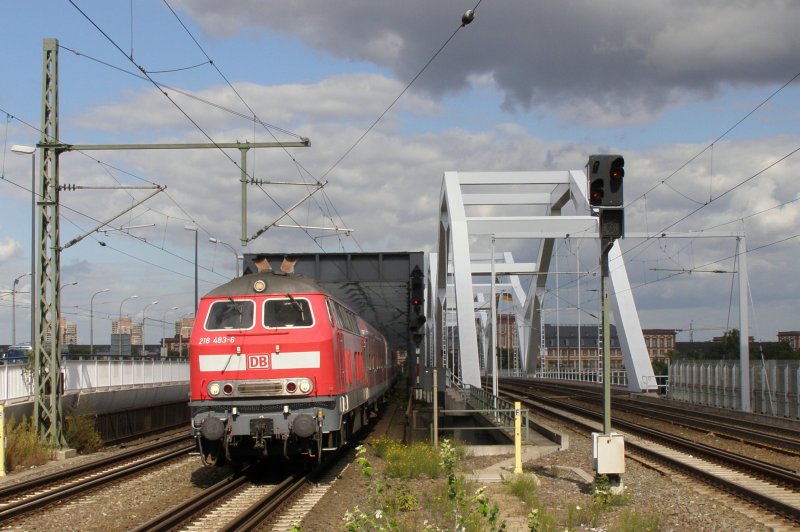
(517, 438)
(2, 441)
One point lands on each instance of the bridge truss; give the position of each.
(484, 218)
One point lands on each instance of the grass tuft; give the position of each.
(24, 448)
(632, 521)
(525, 488)
(412, 461)
(82, 435)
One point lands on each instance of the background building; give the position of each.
(659, 343)
(126, 325)
(568, 348)
(790, 337)
(68, 332)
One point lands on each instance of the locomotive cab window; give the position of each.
(230, 314)
(289, 312)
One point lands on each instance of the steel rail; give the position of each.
(178, 514)
(268, 505)
(745, 430)
(782, 508)
(35, 502)
(14, 490)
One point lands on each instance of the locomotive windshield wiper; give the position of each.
(238, 310)
(298, 306)
(235, 307)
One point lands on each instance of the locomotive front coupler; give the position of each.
(259, 439)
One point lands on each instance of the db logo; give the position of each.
(257, 361)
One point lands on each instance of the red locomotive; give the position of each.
(280, 367)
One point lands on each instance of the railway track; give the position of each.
(245, 502)
(783, 439)
(759, 483)
(21, 499)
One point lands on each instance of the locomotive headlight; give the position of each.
(305, 386)
(213, 389)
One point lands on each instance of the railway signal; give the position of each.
(417, 290)
(605, 174)
(416, 319)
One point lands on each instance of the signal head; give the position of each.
(605, 173)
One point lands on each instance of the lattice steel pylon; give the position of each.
(47, 340)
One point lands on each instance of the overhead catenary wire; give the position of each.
(719, 137)
(170, 99)
(144, 71)
(131, 49)
(320, 183)
(127, 234)
(465, 20)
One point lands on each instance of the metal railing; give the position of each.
(618, 377)
(94, 374)
(498, 411)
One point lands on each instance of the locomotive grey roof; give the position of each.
(277, 283)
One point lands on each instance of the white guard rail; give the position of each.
(15, 384)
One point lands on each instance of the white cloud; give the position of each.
(9, 249)
(610, 54)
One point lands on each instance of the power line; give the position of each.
(720, 137)
(464, 22)
(743, 218)
(187, 94)
(140, 239)
(170, 99)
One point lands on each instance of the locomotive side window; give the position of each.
(230, 314)
(290, 312)
(345, 319)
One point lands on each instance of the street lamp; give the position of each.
(194, 228)
(143, 318)
(119, 325)
(14, 309)
(91, 320)
(218, 241)
(30, 150)
(164, 328)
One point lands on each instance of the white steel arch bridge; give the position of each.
(486, 217)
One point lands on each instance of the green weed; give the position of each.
(631, 521)
(24, 448)
(581, 515)
(540, 520)
(412, 461)
(81, 434)
(603, 496)
(525, 488)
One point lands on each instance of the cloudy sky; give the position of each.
(700, 98)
